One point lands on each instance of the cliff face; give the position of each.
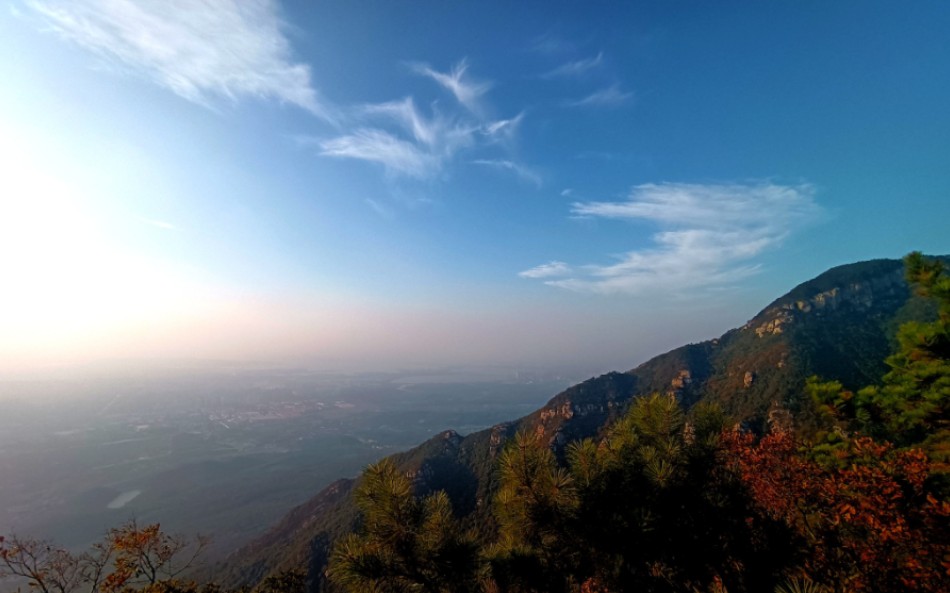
(887, 290)
(839, 325)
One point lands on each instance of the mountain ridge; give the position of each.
(750, 371)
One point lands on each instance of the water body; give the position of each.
(123, 499)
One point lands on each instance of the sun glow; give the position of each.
(65, 280)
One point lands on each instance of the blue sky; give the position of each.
(375, 184)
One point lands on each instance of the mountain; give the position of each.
(840, 325)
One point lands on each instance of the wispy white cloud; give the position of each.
(439, 134)
(418, 148)
(758, 205)
(419, 143)
(202, 51)
(466, 91)
(406, 115)
(709, 236)
(611, 96)
(395, 154)
(503, 129)
(548, 270)
(575, 68)
(520, 170)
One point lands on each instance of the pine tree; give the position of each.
(649, 506)
(909, 408)
(533, 507)
(405, 543)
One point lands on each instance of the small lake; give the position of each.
(123, 499)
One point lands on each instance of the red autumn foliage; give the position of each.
(130, 558)
(866, 524)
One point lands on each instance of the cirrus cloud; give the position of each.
(200, 50)
(395, 154)
(548, 270)
(610, 96)
(466, 91)
(521, 171)
(417, 146)
(575, 68)
(419, 143)
(708, 236)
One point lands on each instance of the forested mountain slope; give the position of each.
(840, 325)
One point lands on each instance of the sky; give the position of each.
(368, 184)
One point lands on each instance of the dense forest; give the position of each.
(848, 493)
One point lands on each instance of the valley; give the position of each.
(222, 452)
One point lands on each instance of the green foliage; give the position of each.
(654, 503)
(534, 491)
(406, 543)
(644, 508)
(532, 507)
(909, 408)
(661, 500)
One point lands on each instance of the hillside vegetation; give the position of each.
(792, 454)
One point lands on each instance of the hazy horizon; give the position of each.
(363, 185)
